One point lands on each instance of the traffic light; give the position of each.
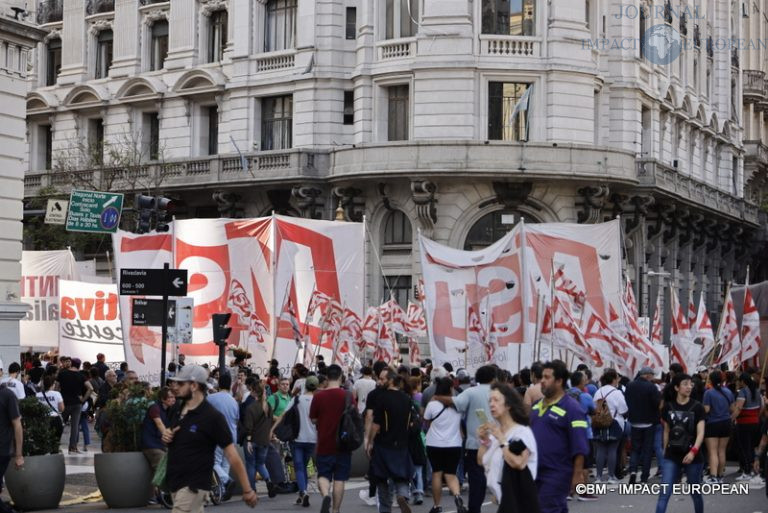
(220, 329)
(162, 205)
(144, 206)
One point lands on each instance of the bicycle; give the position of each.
(215, 494)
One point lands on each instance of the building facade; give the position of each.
(18, 38)
(454, 118)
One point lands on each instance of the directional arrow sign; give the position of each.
(153, 282)
(149, 312)
(94, 211)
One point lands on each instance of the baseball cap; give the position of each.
(701, 368)
(192, 373)
(462, 374)
(646, 370)
(311, 383)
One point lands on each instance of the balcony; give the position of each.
(392, 49)
(754, 85)
(273, 61)
(755, 151)
(99, 6)
(150, 2)
(265, 166)
(509, 46)
(654, 174)
(50, 11)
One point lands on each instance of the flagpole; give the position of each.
(537, 341)
(524, 266)
(305, 335)
(720, 324)
(552, 312)
(285, 298)
(741, 346)
(466, 330)
(273, 262)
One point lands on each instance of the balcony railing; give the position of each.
(50, 11)
(276, 60)
(149, 2)
(651, 173)
(396, 49)
(509, 46)
(99, 6)
(756, 151)
(754, 85)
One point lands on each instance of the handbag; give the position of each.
(160, 472)
(290, 424)
(57, 423)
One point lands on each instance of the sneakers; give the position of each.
(586, 497)
(305, 501)
(418, 499)
(299, 499)
(227, 494)
(369, 501)
(271, 493)
(459, 504)
(743, 477)
(436, 509)
(326, 505)
(610, 480)
(403, 503)
(633, 478)
(711, 480)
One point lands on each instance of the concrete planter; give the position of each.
(39, 484)
(124, 479)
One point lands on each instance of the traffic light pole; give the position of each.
(164, 326)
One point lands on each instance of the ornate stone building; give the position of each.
(18, 38)
(444, 116)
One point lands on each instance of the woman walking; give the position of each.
(746, 413)
(718, 401)
(509, 453)
(607, 439)
(257, 427)
(444, 445)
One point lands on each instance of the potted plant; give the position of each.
(39, 484)
(122, 472)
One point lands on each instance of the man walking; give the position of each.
(11, 437)
(332, 465)
(72, 387)
(192, 438)
(279, 402)
(225, 404)
(643, 400)
(561, 437)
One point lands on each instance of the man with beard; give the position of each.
(192, 439)
(561, 436)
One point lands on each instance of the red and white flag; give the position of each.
(629, 297)
(393, 316)
(750, 328)
(639, 342)
(728, 338)
(702, 328)
(600, 336)
(414, 352)
(351, 332)
(416, 323)
(682, 349)
(370, 327)
(692, 312)
(289, 314)
(656, 328)
(560, 329)
(572, 296)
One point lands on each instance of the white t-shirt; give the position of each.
(15, 386)
(363, 387)
(54, 398)
(307, 430)
(493, 459)
(445, 430)
(616, 403)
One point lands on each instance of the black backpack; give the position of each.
(681, 430)
(350, 433)
(290, 425)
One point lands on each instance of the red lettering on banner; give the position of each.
(86, 309)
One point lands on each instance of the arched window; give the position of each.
(492, 227)
(397, 229)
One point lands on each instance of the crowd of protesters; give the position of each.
(526, 439)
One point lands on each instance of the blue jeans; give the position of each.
(657, 439)
(302, 451)
(255, 462)
(418, 481)
(671, 472)
(221, 465)
(642, 450)
(84, 428)
(476, 478)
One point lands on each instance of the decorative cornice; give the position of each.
(208, 7)
(595, 198)
(307, 199)
(424, 196)
(98, 25)
(348, 200)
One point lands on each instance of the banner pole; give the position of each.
(552, 312)
(273, 262)
(720, 324)
(741, 346)
(524, 286)
(466, 330)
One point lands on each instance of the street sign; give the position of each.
(93, 211)
(56, 212)
(149, 312)
(153, 282)
(181, 331)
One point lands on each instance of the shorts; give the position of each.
(720, 429)
(334, 467)
(444, 459)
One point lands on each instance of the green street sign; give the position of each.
(93, 211)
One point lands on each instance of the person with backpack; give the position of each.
(746, 414)
(444, 445)
(327, 410)
(257, 424)
(684, 428)
(718, 402)
(608, 424)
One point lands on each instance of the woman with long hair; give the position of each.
(257, 427)
(509, 453)
(607, 439)
(718, 401)
(746, 413)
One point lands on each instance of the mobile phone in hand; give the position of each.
(481, 416)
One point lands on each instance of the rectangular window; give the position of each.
(96, 141)
(217, 36)
(351, 22)
(209, 125)
(735, 176)
(401, 18)
(43, 143)
(645, 148)
(400, 288)
(509, 17)
(158, 45)
(397, 116)
(104, 44)
(280, 30)
(349, 107)
(507, 111)
(53, 61)
(277, 123)
(150, 134)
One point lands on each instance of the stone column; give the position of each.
(127, 54)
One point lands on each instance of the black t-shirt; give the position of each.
(689, 414)
(392, 414)
(373, 396)
(191, 454)
(9, 410)
(36, 374)
(72, 386)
